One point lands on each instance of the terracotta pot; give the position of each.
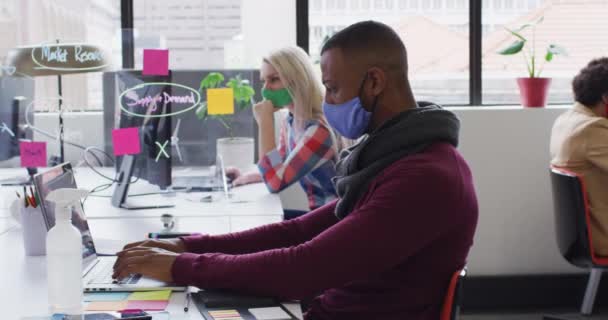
(533, 91)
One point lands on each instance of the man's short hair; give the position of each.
(591, 83)
(378, 44)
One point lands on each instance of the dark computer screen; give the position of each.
(143, 103)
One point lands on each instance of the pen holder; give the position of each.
(34, 231)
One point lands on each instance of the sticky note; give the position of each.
(33, 154)
(106, 296)
(154, 305)
(106, 306)
(273, 313)
(126, 141)
(151, 295)
(225, 315)
(156, 62)
(220, 101)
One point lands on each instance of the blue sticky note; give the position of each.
(106, 296)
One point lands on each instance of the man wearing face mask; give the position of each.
(404, 221)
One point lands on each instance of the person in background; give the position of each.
(579, 143)
(307, 148)
(403, 223)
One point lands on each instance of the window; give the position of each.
(331, 4)
(45, 22)
(439, 69)
(365, 4)
(389, 4)
(220, 34)
(437, 4)
(402, 4)
(499, 72)
(354, 5)
(451, 4)
(378, 5)
(497, 4)
(341, 4)
(317, 4)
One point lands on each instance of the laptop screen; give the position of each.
(55, 178)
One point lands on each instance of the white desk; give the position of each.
(23, 279)
(250, 206)
(24, 286)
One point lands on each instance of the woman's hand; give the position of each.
(173, 245)
(154, 263)
(264, 112)
(247, 178)
(232, 173)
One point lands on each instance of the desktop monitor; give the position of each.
(143, 104)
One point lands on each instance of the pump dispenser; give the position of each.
(64, 254)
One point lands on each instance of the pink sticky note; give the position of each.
(33, 154)
(153, 305)
(156, 62)
(126, 141)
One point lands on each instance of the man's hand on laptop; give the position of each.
(173, 245)
(154, 263)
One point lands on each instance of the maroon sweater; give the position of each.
(390, 258)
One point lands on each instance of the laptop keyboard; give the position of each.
(104, 274)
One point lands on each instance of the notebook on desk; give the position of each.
(223, 304)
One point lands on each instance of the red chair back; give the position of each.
(451, 303)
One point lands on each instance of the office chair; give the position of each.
(453, 298)
(573, 232)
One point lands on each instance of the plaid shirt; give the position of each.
(309, 160)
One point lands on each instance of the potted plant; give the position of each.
(534, 88)
(235, 151)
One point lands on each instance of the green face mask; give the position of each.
(279, 98)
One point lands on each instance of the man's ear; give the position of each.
(378, 78)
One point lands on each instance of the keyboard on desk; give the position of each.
(103, 274)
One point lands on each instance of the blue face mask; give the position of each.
(350, 119)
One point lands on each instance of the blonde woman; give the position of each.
(307, 149)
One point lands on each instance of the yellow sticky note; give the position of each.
(220, 101)
(106, 306)
(150, 295)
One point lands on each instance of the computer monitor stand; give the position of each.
(119, 198)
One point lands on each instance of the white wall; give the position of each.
(508, 151)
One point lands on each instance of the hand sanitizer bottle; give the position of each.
(64, 254)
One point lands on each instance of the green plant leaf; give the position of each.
(549, 56)
(201, 111)
(520, 29)
(212, 80)
(516, 33)
(514, 48)
(557, 50)
(540, 20)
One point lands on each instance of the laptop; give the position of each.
(97, 270)
(216, 182)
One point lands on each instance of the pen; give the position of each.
(33, 198)
(187, 306)
(25, 196)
